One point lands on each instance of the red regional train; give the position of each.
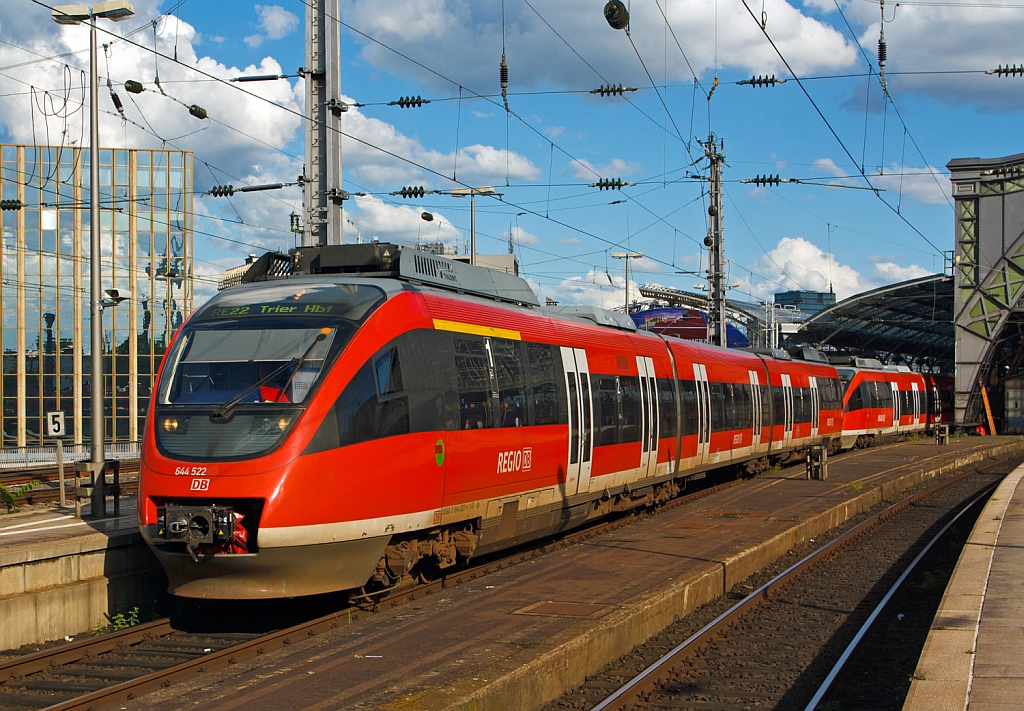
(357, 417)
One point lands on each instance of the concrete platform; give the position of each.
(60, 575)
(974, 655)
(497, 643)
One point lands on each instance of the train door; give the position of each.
(755, 404)
(586, 420)
(916, 402)
(572, 389)
(700, 375)
(895, 406)
(787, 408)
(815, 406)
(649, 412)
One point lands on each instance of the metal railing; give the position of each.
(46, 456)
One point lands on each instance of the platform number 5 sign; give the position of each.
(55, 424)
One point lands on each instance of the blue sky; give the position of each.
(559, 137)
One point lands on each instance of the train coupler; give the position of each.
(203, 529)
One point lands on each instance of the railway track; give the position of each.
(47, 488)
(104, 671)
(781, 643)
(111, 669)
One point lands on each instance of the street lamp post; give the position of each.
(472, 193)
(116, 10)
(627, 256)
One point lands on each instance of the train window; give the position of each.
(543, 384)
(586, 398)
(802, 405)
(606, 411)
(883, 395)
(688, 392)
(630, 390)
(389, 373)
(511, 384)
(766, 406)
(717, 392)
(778, 405)
(387, 396)
(857, 398)
(744, 406)
(475, 395)
(667, 400)
(362, 416)
(836, 400)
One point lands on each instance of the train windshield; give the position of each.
(257, 365)
(248, 362)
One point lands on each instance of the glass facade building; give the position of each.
(146, 235)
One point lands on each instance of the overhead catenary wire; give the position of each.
(833, 131)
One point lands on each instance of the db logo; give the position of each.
(200, 484)
(515, 460)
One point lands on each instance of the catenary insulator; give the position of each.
(222, 190)
(11, 204)
(503, 73)
(133, 87)
(882, 52)
(198, 111)
(616, 14)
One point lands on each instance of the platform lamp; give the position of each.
(627, 256)
(116, 10)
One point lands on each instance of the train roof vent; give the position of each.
(270, 265)
(385, 260)
(867, 363)
(771, 353)
(897, 368)
(602, 317)
(809, 354)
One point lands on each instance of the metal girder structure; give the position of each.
(910, 322)
(741, 314)
(322, 193)
(989, 273)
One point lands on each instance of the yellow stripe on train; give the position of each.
(458, 327)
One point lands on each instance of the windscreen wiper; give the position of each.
(225, 409)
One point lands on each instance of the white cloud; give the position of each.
(477, 164)
(583, 169)
(593, 289)
(452, 37)
(372, 217)
(964, 36)
(253, 41)
(522, 237)
(276, 21)
(890, 272)
(796, 263)
(929, 185)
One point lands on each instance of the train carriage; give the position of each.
(360, 417)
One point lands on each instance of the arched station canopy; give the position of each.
(910, 322)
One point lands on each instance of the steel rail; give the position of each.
(848, 652)
(403, 595)
(627, 694)
(50, 660)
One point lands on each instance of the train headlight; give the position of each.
(175, 425)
